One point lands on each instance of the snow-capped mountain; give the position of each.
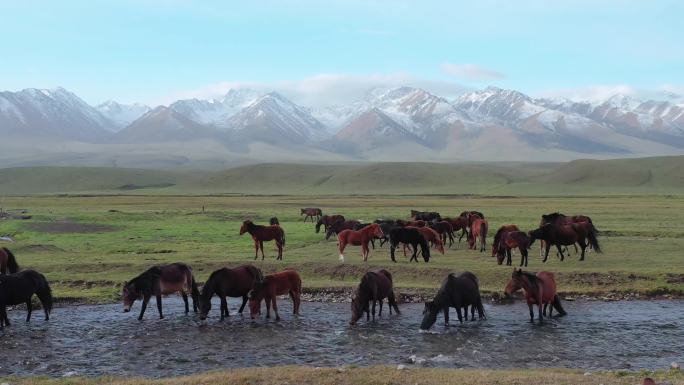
(53, 113)
(121, 115)
(372, 129)
(216, 111)
(163, 124)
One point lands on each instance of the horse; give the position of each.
(431, 236)
(539, 289)
(565, 235)
(327, 220)
(340, 226)
(478, 230)
(445, 230)
(160, 280)
(18, 288)
(511, 240)
(358, 238)
(410, 236)
(375, 286)
(8, 263)
(261, 233)
(499, 234)
(311, 212)
(225, 282)
(458, 291)
(459, 223)
(468, 214)
(274, 221)
(273, 285)
(427, 216)
(560, 219)
(386, 227)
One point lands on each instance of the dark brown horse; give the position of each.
(478, 232)
(566, 235)
(539, 289)
(18, 288)
(459, 223)
(327, 220)
(412, 223)
(445, 231)
(432, 237)
(499, 234)
(340, 226)
(558, 219)
(511, 240)
(409, 236)
(359, 238)
(375, 286)
(458, 291)
(274, 221)
(311, 212)
(261, 233)
(157, 281)
(225, 282)
(8, 263)
(273, 285)
(427, 216)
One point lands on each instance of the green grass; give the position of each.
(642, 238)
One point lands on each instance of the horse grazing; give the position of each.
(478, 231)
(459, 223)
(18, 288)
(432, 237)
(160, 280)
(539, 289)
(261, 233)
(445, 231)
(499, 234)
(358, 238)
(274, 221)
(375, 286)
(458, 291)
(8, 263)
(565, 235)
(427, 216)
(273, 285)
(327, 220)
(511, 240)
(225, 282)
(340, 226)
(558, 219)
(311, 212)
(410, 236)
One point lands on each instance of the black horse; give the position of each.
(18, 288)
(226, 282)
(375, 286)
(410, 236)
(160, 280)
(386, 226)
(459, 291)
(274, 221)
(339, 226)
(427, 216)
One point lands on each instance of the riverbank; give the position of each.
(349, 375)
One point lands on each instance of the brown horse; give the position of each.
(375, 286)
(459, 223)
(261, 233)
(511, 240)
(327, 220)
(445, 231)
(225, 282)
(539, 289)
(160, 280)
(358, 238)
(565, 235)
(340, 226)
(273, 285)
(499, 234)
(478, 231)
(560, 219)
(8, 263)
(311, 212)
(431, 236)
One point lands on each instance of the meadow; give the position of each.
(88, 245)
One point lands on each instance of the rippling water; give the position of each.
(97, 340)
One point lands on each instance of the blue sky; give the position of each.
(156, 51)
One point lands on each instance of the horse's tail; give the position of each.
(12, 264)
(424, 248)
(480, 308)
(43, 291)
(483, 233)
(557, 305)
(591, 236)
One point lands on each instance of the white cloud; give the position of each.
(471, 72)
(592, 93)
(326, 89)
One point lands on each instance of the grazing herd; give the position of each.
(420, 233)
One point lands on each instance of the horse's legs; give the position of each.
(279, 244)
(415, 252)
(458, 313)
(244, 302)
(472, 312)
(531, 312)
(341, 249)
(275, 308)
(3, 317)
(268, 307)
(392, 249)
(560, 251)
(224, 307)
(372, 241)
(583, 245)
(524, 255)
(509, 260)
(185, 300)
(546, 305)
(256, 249)
(146, 299)
(159, 305)
(29, 308)
(446, 316)
(547, 246)
(374, 302)
(541, 317)
(261, 245)
(380, 312)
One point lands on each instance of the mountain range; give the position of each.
(387, 124)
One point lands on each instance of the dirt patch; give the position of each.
(67, 227)
(675, 278)
(39, 248)
(602, 279)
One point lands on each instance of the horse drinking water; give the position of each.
(458, 291)
(8, 263)
(375, 286)
(273, 285)
(160, 280)
(359, 238)
(262, 233)
(539, 289)
(18, 288)
(225, 282)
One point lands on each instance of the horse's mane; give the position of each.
(497, 236)
(532, 277)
